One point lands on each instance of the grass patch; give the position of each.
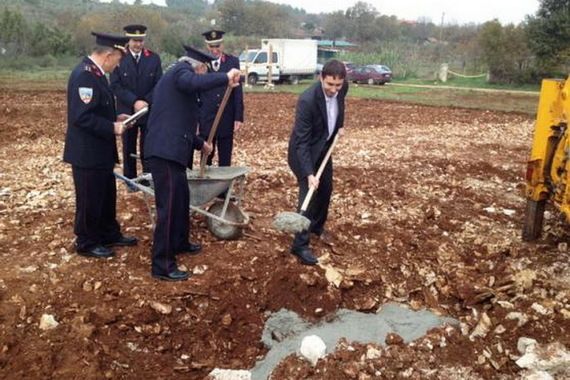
(445, 97)
(56, 79)
(470, 83)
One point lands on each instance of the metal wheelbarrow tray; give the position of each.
(225, 218)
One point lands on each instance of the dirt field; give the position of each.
(427, 211)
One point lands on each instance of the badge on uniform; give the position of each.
(85, 94)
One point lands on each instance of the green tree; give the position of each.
(14, 31)
(361, 23)
(335, 25)
(233, 15)
(549, 33)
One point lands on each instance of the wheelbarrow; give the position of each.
(225, 218)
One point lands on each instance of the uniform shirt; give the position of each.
(332, 111)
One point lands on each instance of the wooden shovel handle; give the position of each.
(215, 127)
(318, 176)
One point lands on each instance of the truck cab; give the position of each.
(254, 64)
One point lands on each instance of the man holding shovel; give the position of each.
(319, 117)
(168, 147)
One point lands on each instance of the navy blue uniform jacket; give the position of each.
(211, 99)
(309, 137)
(174, 115)
(131, 81)
(90, 139)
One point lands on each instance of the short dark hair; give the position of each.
(334, 68)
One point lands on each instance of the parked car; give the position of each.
(383, 69)
(373, 74)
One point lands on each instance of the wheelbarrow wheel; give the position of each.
(532, 228)
(222, 230)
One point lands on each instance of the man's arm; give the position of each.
(83, 102)
(157, 76)
(120, 89)
(302, 134)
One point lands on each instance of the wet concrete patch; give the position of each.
(285, 330)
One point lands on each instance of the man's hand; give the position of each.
(207, 148)
(237, 125)
(234, 77)
(139, 105)
(122, 117)
(313, 182)
(119, 128)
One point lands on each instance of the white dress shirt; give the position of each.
(332, 111)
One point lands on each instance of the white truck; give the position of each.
(292, 60)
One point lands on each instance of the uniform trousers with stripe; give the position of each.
(95, 207)
(172, 197)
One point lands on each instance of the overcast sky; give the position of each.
(455, 11)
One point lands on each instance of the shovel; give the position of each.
(293, 222)
(215, 127)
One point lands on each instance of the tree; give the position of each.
(361, 22)
(549, 33)
(335, 25)
(14, 31)
(232, 15)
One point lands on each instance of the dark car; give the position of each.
(373, 74)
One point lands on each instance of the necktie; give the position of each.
(137, 58)
(216, 65)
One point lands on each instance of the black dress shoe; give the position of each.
(176, 275)
(123, 241)
(97, 251)
(190, 249)
(305, 255)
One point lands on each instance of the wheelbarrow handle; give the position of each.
(318, 176)
(215, 127)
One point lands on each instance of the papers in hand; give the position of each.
(134, 117)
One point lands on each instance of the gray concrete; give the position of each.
(284, 331)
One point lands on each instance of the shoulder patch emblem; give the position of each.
(86, 94)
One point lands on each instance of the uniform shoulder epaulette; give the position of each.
(92, 68)
(147, 52)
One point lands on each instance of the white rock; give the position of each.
(230, 374)
(522, 318)
(48, 322)
(313, 348)
(482, 327)
(540, 309)
(509, 212)
(536, 375)
(525, 342)
(552, 358)
(373, 353)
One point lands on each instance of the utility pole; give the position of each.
(441, 27)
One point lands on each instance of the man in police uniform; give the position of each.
(232, 117)
(133, 82)
(168, 147)
(90, 148)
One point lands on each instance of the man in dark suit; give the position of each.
(232, 117)
(133, 82)
(319, 117)
(91, 149)
(168, 147)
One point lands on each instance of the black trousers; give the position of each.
(172, 198)
(130, 147)
(318, 209)
(224, 145)
(95, 207)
